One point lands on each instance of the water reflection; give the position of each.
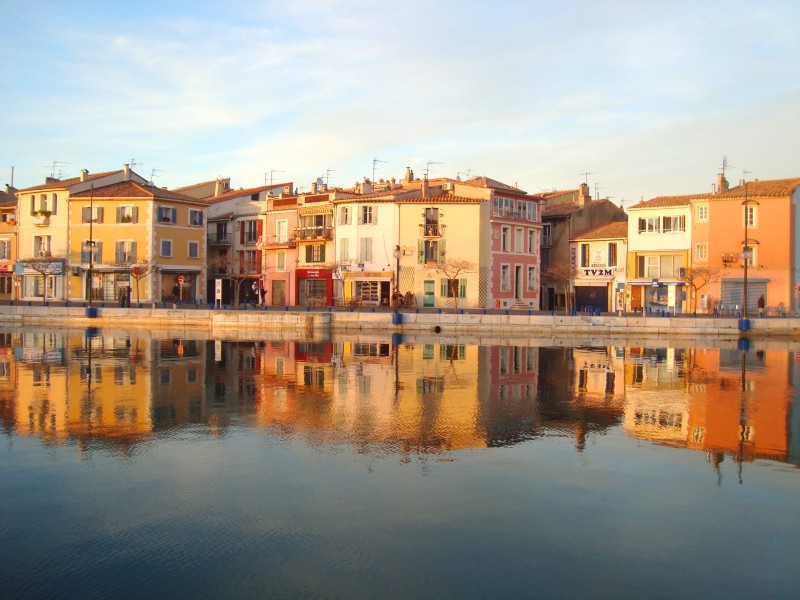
(421, 398)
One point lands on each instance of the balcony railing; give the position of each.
(41, 219)
(431, 230)
(315, 233)
(277, 241)
(220, 239)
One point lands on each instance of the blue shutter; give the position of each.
(442, 255)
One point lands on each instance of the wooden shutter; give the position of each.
(133, 252)
(374, 215)
(420, 251)
(135, 215)
(260, 229)
(308, 253)
(86, 214)
(55, 204)
(442, 255)
(120, 252)
(241, 232)
(322, 253)
(100, 214)
(120, 213)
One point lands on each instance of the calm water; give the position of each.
(135, 466)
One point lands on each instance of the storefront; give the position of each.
(178, 285)
(314, 287)
(6, 283)
(278, 290)
(41, 280)
(368, 288)
(657, 296)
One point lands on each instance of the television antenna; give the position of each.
(586, 176)
(328, 175)
(134, 163)
(466, 174)
(375, 161)
(428, 167)
(56, 165)
(725, 165)
(153, 173)
(271, 173)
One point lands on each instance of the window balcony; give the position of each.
(315, 233)
(220, 239)
(277, 242)
(431, 230)
(41, 219)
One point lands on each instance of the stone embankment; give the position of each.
(315, 322)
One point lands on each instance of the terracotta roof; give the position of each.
(663, 201)
(556, 194)
(613, 230)
(132, 189)
(65, 183)
(239, 193)
(561, 210)
(775, 188)
(442, 199)
(486, 182)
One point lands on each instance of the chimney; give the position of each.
(722, 183)
(84, 173)
(424, 187)
(126, 171)
(218, 188)
(366, 187)
(585, 196)
(409, 175)
(314, 187)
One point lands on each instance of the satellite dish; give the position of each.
(319, 181)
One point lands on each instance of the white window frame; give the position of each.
(702, 212)
(753, 260)
(505, 238)
(167, 211)
(532, 279)
(194, 212)
(5, 249)
(280, 261)
(701, 252)
(345, 215)
(281, 236)
(161, 248)
(192, 244)
(519, 241)
(505, 277)
(750, 215)
(344, 250)
(532, 245)
(367, 215)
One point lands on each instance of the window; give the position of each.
(365, 250)
(702, 212)
(125, 252)
(315, 253)
(518, 240)
(250, 258)
(41, 245)
(532, 245)
(649, 225)
(647, 266)
(505, 239)
(666, 265)
(751, 252)
(280, 261)
(750, 215)
(166, 248)
(673, 223)
(281, 231)
(251, 231)
(505, 278)
(54, 207)
(701, 252)
(502, 207)
(369, 215)
(546, 258)
(612, 254)
(584, 255)
(195, 217)
(533, 280)
(431, 251)
(93, 248)
(91, 214)
(167, 214)
(449, 288)
(5, 249)
(344, 215)
(344, 250)
(432, 222)
(127, 214)
(528, 210)
(194, 250)
(547, 234)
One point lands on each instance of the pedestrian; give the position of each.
(761, 303)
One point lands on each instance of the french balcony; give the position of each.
(272, 242)
(431, 230)
(41, 219)
(220, 239)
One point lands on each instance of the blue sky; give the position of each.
(648, 96)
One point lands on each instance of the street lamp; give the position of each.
(397, 254)
(91, 245)
(747, 245)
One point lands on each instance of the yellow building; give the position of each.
(8, 242)
(138, 237)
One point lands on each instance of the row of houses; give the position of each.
(114, 236)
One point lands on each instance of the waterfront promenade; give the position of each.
(314, 321)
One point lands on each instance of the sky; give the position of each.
(639, 99)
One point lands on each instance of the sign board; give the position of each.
(180, 278)
(218, 291)
(655, 282)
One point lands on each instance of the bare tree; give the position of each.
(45, 266)
(453, 269)
(561, 274)
(237, 271)
(699, 277)
(141, 270)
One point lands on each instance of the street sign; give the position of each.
(180, 278)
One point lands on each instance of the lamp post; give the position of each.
(91, 245)
(747, 246)
(397, 253)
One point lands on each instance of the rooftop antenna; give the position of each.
(375, 161)
(153, 173)
(725, 165)
(328, 175)
(586, 176)
(428, 167)
(464, 173)
(271, 173)
(134, 163)
(596, 190)
(56, 164)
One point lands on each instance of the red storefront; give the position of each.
(314, 287)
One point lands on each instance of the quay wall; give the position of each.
(315, 322)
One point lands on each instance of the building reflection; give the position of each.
(399, 397)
